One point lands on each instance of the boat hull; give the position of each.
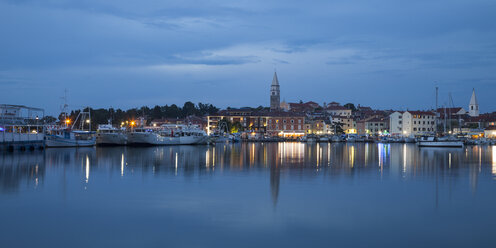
(440, 144)
(151, 139)
(111, 139)
(56, 141)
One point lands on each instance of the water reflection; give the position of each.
(298, 193)
(397, 161)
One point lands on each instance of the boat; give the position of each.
(168, 134)
(106, 134)
(430, 141)
(335, 138)
(351, 138)
(66, 136)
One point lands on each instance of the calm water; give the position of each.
(249, 195)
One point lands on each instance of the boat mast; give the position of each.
(437, 114)
(64, 108)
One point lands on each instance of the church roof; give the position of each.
(275, 81)
(473, 99)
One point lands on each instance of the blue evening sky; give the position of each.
(122, 53)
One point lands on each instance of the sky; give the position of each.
(388, 54)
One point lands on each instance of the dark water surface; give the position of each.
(249, 195)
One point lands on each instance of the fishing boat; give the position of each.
(72, 136)
(168, 134)
(106, 134)
(430, 141)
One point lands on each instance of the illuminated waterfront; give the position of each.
(249, 194)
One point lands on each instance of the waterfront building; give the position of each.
(275, 94)
(21, 127)
(410, 123)
(374, 125)
(418, 122)
(348, 124)
(319, 126)
(490, 132)
(396, 123)
(270, 123)
(335, 109)
(285, 124)
(473, 106)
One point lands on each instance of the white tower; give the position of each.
(473, 106)
(275, 94)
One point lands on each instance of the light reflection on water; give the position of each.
(280, 188)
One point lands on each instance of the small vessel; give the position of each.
(106, 134)
(69, 136)
(335, 138)
(430, 141)
(351, 138)
(168, 134)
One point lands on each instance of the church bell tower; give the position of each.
(275, 94)
(473, 106)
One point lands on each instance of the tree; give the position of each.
(188, 109)
(338, 127)
(236, 127)
(350, 106)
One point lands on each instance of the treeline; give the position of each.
(116, 116)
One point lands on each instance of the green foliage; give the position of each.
(338, 128)
(116, 116)
(350, 106)
(236, 127)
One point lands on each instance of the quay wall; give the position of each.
(21, 141)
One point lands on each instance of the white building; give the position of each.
(396, 123)
(473, 106)
(411, 123)
(336, 109)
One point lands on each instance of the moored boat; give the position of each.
(70, 136)
(431, 141)
(108, 135)
(167, 135)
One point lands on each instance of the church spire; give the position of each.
(275, 81)
(473, 106)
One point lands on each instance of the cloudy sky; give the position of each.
(123, 53)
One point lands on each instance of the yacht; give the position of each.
(168, 134)
(430, 141)
(108, 135)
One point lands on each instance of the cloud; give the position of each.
(378, 47)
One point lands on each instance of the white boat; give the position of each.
(351, 138)
(167, 135)
(108, 135)
(439, 142)
(70, 136)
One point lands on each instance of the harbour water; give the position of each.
(249, 195)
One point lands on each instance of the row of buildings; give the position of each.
(297, 119)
